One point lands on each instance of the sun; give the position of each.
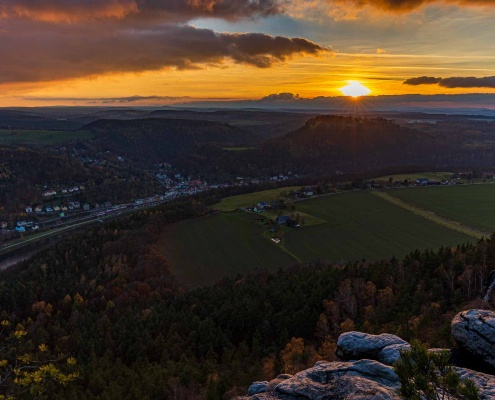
(355, 89)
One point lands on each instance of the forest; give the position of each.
(108, 298)
(327, 144)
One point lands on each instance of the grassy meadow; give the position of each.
(247, 200)
(338, 227)
(205, 250)
(40, 137)
(469, 204)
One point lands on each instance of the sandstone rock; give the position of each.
(474, 332)
(358, 380)
(257, 387)
(357, 345)
(275, 382)
(485, 382)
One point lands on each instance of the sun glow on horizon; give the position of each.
(355, 89)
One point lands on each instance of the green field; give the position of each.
(360, 225)
(40, 137)
(205, 250)
(472, 205)
(342, 227)
(247, 200)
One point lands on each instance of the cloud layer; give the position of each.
(55, 11)
(454, 82)
(54, 40)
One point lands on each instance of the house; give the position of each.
(261, 205)
(29, 209)
(308, 191)
(281, 220)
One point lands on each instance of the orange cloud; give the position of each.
(178, 10)
(50, 53)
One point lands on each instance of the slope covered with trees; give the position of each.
(327, 144)
(109, 299)
(160, 140)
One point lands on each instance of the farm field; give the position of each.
(246, 200)
(471, 205)
(40, 137)
(361, 225)
(205, 250)
(351, 226)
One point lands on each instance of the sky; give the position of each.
(159, 52)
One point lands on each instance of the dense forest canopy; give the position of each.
(109, 299)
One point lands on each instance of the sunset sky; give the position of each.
(135, 52)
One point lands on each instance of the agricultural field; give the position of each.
(40, 137)
(470, 204)
(204, 250)
(247, 200)
(342, 227)
(361, 225)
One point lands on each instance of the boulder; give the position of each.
(358, 380)
(474, 332)
(257, 387)
(384, 348)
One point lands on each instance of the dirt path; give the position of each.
(431, 216)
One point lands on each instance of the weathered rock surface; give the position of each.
(358, 345)
(275, 382)
(474, 332)
(485, 382)
(257, 387)
(364, 379)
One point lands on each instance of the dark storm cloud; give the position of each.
(33, 52)
(53, 40)
(165, 10)
(454, 82)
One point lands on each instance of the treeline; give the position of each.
(154, 140)
(109, 298)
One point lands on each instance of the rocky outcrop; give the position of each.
(358, 345)
(370, 375)
(364, 379)
(474, 332)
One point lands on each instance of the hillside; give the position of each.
(109, 299)
(160, 140)
(326, 144)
